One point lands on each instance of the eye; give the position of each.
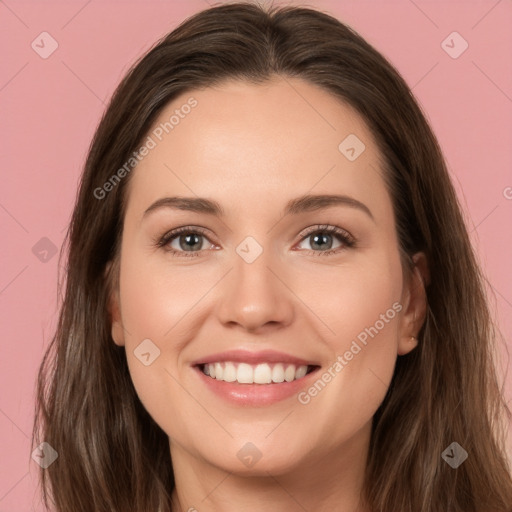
(320, 237)
(187, 241)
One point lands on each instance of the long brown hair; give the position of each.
(112, 456)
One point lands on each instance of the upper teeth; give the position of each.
(244, 373)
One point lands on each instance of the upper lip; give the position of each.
(246, 356)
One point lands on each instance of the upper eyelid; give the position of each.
(205, 231)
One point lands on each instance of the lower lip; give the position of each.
(255, 394)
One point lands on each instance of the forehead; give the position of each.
(240, 143)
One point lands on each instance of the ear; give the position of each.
(114, 309)
(414, 301)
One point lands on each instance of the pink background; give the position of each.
(50, 108)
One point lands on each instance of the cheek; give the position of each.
(153, 311)
(364, 312)
(356, 302)
(361, 308)
(156, 298)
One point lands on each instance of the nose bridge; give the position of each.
(254, 294)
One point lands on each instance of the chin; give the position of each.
(248, 460)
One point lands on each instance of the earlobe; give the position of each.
(407, 345)
(415, 309)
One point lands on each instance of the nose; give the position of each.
(256, 296)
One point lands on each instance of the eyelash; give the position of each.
(348, 240)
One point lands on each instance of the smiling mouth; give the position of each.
(263, 373)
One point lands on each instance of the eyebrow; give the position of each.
(303, 204)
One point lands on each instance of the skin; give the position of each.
(252, 148)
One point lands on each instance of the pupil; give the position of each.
(322, 236)
(187, 239)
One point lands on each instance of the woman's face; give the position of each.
(261, 285)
